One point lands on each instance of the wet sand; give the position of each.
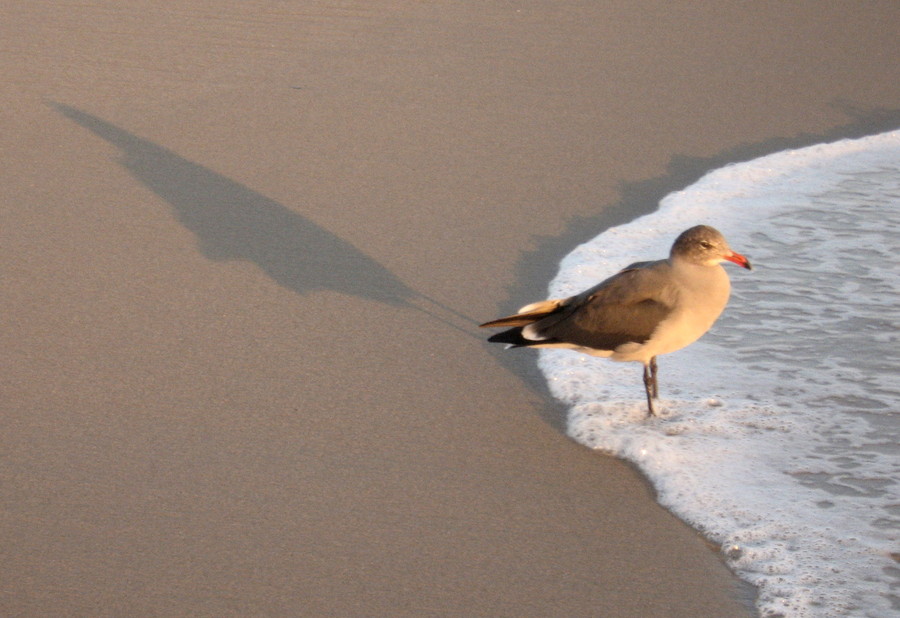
(245, 249)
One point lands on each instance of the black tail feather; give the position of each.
(512, 337)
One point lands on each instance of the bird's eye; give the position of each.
(706, 244)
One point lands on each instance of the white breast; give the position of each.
(702, 295)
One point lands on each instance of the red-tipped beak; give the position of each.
(739, 259)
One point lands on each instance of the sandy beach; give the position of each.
(246, 246)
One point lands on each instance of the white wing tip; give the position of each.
(530, 332)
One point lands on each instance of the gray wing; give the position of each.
(627, 307)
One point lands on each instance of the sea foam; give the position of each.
(778, 431)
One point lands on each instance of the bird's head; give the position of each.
(706, 246)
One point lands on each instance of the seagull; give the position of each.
(647, 309)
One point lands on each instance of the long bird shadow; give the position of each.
(233, 222)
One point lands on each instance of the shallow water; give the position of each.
(779, 431)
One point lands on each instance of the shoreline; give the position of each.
(808, 192)
(642, 197)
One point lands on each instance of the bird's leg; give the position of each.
(648, 387)
(655, 385)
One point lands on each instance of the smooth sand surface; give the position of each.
(244, 249)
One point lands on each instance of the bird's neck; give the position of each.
(700, 276)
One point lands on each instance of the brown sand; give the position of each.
(237, 239)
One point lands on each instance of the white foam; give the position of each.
(779, 430)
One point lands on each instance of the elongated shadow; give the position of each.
(233, 222)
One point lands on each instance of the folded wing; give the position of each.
(625, 308)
